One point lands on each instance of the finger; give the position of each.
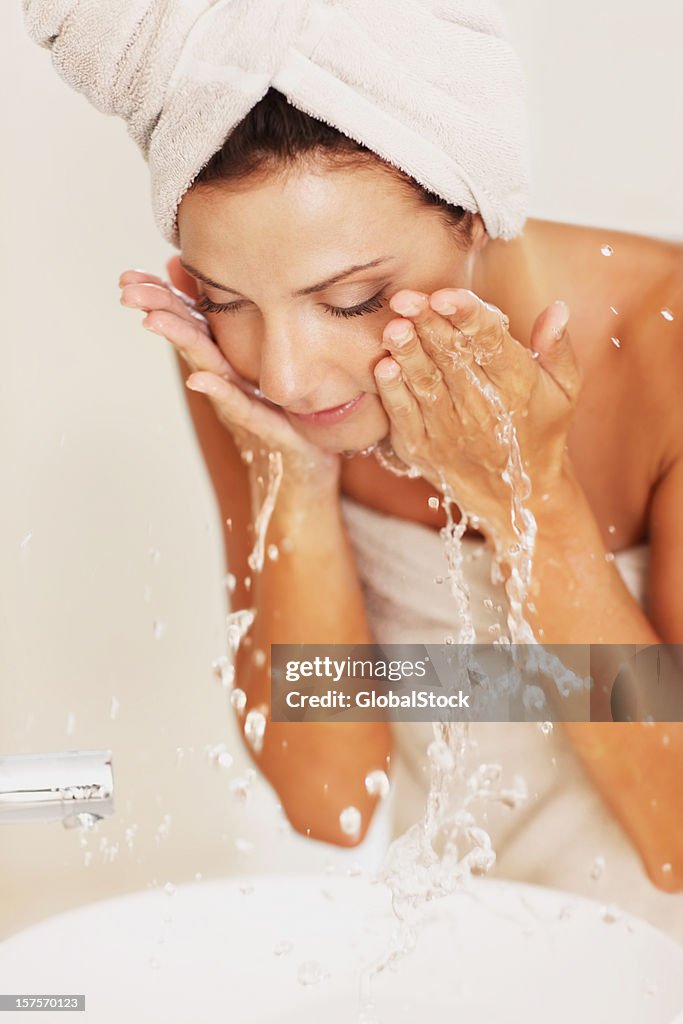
(551, 342)
(146, 295)
(401, 406)
(196, 347)
(236, 409)
(483, 329)
(465, 381)
(422, 375)
(139, 277)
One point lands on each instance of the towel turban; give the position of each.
(433, 87)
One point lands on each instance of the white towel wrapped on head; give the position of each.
(431, 86)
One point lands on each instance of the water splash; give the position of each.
(254, 729)
(275, 472)
(377, 783)
(350, 821)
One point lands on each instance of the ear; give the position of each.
(180, 278)
(479, 234)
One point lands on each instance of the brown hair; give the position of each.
(276, 135)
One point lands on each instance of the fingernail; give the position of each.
(401, 333)
(410, 306)
(201, 386)
(389, 371)
(559, 318)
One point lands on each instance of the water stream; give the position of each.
(441, 853)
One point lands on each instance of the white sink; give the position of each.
(502, 954)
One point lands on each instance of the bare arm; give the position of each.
(636, 766)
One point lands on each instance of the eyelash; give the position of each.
(205, 305)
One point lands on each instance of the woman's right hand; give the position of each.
(255, 425)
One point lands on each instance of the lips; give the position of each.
(331, 415)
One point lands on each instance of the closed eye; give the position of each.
(205, 305)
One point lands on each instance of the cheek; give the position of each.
(240, 353)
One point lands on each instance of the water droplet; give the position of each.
(350, 821)
(433, 502)
(254, 729)
(616, 342)
(70, 723)
(273, 552)
(438, 579)
(158, 629)
(163, 828)
(611, 528)
(609, 556)
(283, 948)
(606, 250)
(310, 973)
(248, 456)
(667, 868)
(247, 582)
(666, 740)
(259, 657)
(598, 868)
(238, 699)
(155, 555)
(244, 845)
(610, 913)
(228, 523)
(546, 728)
(377, 783)
(613, 310)
(114, 708)
(230, 581)
(239, 787)
(154, 963)
(488, 603)
(147, 593)
(169, 889)
(667, 314)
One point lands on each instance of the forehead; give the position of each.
(320, 205)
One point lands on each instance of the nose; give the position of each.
(288, 367)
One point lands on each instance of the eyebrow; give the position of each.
(319, 287)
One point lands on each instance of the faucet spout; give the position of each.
(74, 787)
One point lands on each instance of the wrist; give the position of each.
(302, 491)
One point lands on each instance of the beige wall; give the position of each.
(100, 467)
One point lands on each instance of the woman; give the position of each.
(287, 201)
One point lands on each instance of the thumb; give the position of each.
(553, 349)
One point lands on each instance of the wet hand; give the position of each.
(455, 384)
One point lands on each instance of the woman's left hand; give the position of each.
(447, 386)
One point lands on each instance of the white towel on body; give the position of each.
(558, 836)
(431, 86)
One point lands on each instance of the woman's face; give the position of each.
(261, 255)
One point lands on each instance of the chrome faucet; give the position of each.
(75, 787)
